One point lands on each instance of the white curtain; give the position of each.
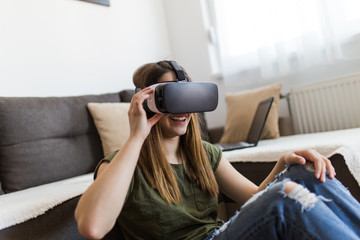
(279, 37)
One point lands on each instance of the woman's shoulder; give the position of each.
(214, 154)
(107, 158)
(209, 146)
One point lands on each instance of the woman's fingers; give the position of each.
(321, 163)
(139, 124)
(136, 107)
(154, 119)
(142, 95)
(329, 167)
(318, 163)
(320, 170)
(322, 176)
(293, 158)
(299, 159)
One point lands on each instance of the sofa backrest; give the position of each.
(47, 139)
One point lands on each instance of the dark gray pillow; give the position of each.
(126, 95)
(47, 139)
(1, 190)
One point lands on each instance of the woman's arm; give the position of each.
(101, 204)
(232, 183)
(240, 189)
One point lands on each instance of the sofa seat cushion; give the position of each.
(47, 139)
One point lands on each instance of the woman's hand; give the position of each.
(320, 162)
(140, 126)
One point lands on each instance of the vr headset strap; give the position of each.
(178, 71)
(180, 75)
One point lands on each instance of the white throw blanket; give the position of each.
(18, 207)
(345, 142)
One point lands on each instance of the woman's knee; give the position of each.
(289, 186)
(297, 172)
(300, 194)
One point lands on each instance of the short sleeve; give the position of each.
(105, 159)
(214, 154)
(108, 159)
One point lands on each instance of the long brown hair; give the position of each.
(152, 161)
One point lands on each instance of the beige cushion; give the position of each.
(241, 107)
(112, 123)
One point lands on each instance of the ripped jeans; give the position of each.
(318, 211)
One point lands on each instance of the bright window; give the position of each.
(280, 37)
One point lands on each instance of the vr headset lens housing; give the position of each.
(183, 97)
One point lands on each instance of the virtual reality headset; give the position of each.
(182, 96)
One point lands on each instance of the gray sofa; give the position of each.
(49, 139)
(44, 140)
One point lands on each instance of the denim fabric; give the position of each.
(273, 214)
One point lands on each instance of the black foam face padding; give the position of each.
(187, 97)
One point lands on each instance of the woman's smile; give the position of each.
(178, 118)
(181, 119)
(174, 124)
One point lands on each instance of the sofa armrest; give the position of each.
(20, 206)
(57, 223)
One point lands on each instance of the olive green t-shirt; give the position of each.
(145, 215)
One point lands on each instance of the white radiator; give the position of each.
(326, 106)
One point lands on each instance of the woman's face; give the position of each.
(173, 125)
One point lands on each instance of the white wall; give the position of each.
(71, 47)
(188, 31)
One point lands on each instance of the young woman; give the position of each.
(163, 184)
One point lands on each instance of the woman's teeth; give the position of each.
(178, 118)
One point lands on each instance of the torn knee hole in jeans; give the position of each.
(301, 195)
